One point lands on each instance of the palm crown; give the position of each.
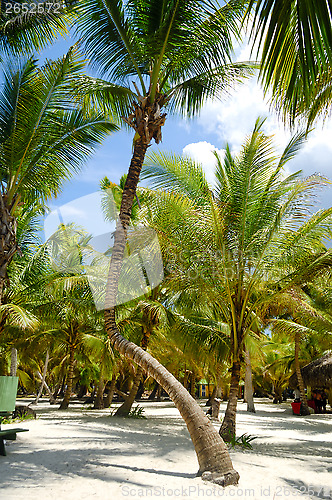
(44, 137)
(181, 49)
(296, 40)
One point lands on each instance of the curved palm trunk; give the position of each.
(248, 391)
(124, 409)
(305, 408)
(228, 426)
(212, 453)
(65, 402)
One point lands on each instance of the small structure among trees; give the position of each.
(317, 374)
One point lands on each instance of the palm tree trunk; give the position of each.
(211, 398)
(305, 408)
(228, 426)
(65, 402)
(13, 362)
(193, 384)
(110, 394)
(8, 243)
(212, 453)
(59, 383)
(43, 378)
(51, 396)
(99, 402)
(248, 391)
(152, 396)
(124, 409)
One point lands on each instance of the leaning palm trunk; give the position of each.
(125, 408)
(65, 402)
(43, 378)
(228, 426)
(248, 391)
(110, 394)
(212, 453)
(305, 408)
(48, 390)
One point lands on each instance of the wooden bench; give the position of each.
(8, 391)
(9, 434)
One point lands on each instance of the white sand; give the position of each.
(84, 454)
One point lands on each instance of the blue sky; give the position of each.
(219, 121)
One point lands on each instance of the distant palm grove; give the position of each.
(246, 297)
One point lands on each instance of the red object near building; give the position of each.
(312, 404)
(296, 407)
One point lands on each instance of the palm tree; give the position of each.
(44, 138)
(24, 29)
(179, 53)
(252, 252)
(295, 39)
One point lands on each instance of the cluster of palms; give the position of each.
(237, 257)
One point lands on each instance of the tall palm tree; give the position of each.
(295, 39)
(44, 138)
(179, 54)
(249, 227)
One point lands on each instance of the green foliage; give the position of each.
(244, 441)
(44, 133)
(181, 48)
(23, 33)
(22, 418)
(295, 39)
(230, 251)
(136, 412)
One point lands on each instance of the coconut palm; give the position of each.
(44, 138)
(295, 39)
(25, 28)
(240, 243)
(179, 54)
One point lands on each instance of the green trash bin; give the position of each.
(8, 392)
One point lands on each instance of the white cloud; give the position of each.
(233, 119)
(202, 152)
(85, 212)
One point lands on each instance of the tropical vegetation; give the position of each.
(246, 263)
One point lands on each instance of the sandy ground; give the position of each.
(84, 454)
